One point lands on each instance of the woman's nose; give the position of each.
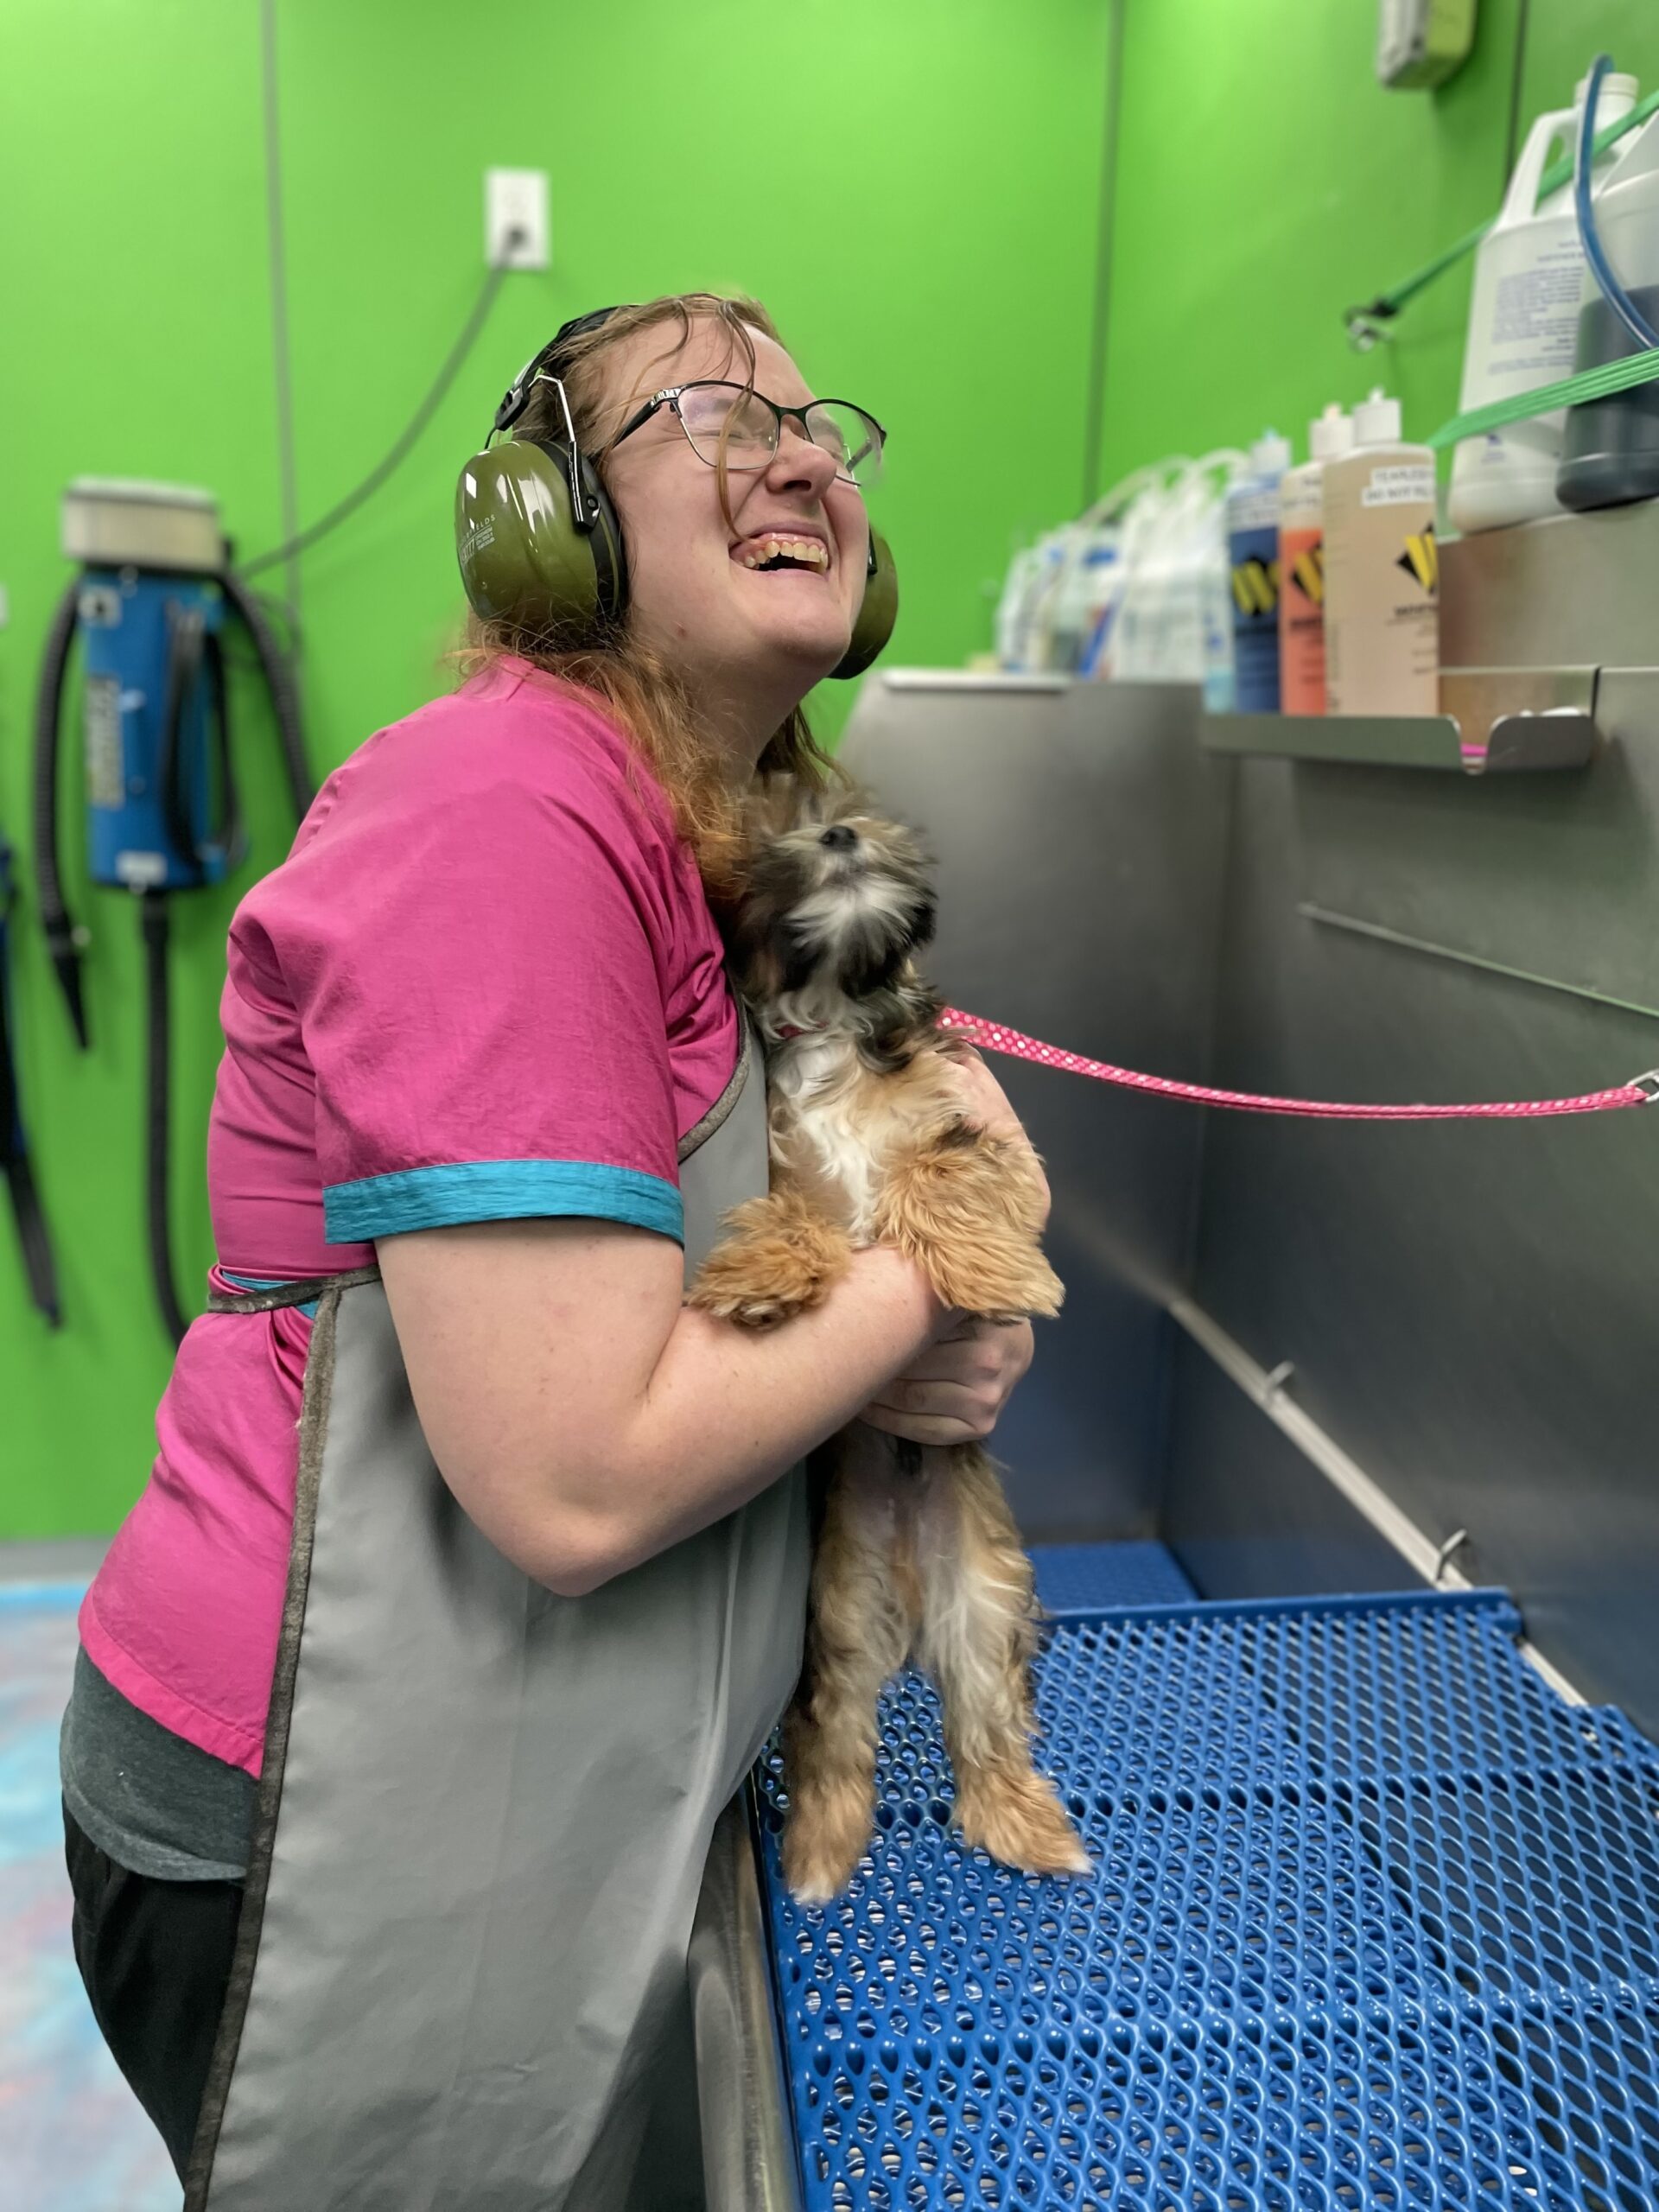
(798, 462)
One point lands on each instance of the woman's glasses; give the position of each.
(721, 418)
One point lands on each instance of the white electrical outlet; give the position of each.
(515, 218)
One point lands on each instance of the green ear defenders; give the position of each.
(540, 547)
(535, 534)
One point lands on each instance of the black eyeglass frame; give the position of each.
(671, 396)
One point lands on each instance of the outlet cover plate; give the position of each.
(516, 199)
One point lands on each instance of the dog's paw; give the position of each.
(816, 1873)
(1019, 1286)
(731, 1288)
(827, 1833)
(781, 1260)
(746, 1312)
(1020, 1821)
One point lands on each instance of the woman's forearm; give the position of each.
(728, 1410)
(586, 1419)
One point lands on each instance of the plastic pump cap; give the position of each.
(1270, 455)
(1376, 421)
(1330, 434)
(1619, 93)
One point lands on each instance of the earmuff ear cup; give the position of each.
(524, 560)
(876, 616)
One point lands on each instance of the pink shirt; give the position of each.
(485, 985)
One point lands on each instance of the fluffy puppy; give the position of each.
(917, 1555)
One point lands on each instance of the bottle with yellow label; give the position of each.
(1382, 571)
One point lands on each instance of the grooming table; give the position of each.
(1374, 1923)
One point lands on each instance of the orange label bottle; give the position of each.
(1301, 568)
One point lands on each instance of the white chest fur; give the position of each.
(818, 1129)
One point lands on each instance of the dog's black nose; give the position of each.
(840, 836)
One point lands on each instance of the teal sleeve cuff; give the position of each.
(498, 1190)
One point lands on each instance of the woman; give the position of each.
(393, 1760)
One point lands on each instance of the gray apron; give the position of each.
(459, 1982)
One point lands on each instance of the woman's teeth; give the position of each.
(809, 551)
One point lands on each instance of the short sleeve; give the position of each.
(480, 979)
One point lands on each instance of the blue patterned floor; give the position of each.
(72, 2138)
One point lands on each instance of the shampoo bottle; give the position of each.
(1522, 323)
(1301, 567)
(1382, 571)
(1253, 562)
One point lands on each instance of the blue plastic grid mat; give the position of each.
(1374, 1923)
(1088, 1578)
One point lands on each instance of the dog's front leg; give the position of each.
(858, 1632)
(780, 1257)
(968, 1207)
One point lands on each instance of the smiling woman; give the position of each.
(786, 470)
(471, 1575)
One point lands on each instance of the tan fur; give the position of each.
(925, 1566)
(781, 1258)
(930, 1567)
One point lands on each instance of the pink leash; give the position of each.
(1641, 1090)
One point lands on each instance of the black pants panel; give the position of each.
(155, 1958)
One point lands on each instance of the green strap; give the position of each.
(1388, 304)
(1570, 391)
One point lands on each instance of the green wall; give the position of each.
(910, 185)
(1265, 183)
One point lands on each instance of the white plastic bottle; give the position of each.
(1523, 323)
(1301, 566)
(1382, 571)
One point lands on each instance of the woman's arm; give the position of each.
(585, 1421)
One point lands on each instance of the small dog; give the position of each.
(916, 1553)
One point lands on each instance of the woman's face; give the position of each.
(733, 633)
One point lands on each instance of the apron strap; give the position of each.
(314, 1430)
(700, 1132)
(279, 1295)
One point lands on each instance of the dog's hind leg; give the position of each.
(858, 1632)
(978, 1636)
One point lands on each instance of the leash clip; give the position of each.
(1648, 1085)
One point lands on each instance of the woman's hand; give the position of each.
(955, 1391)
(986, 1105)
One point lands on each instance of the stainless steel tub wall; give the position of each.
(1468, 1307)
(1080, 836)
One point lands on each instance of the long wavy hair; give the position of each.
(640, 691)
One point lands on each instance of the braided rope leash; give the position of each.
(996, 1037)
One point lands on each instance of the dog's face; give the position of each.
(836, 901)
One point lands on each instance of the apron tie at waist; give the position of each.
(272, 1297)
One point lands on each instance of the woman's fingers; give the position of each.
(986, 1105)
(958, 1388)
(983, 1099)
(916, 1429)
